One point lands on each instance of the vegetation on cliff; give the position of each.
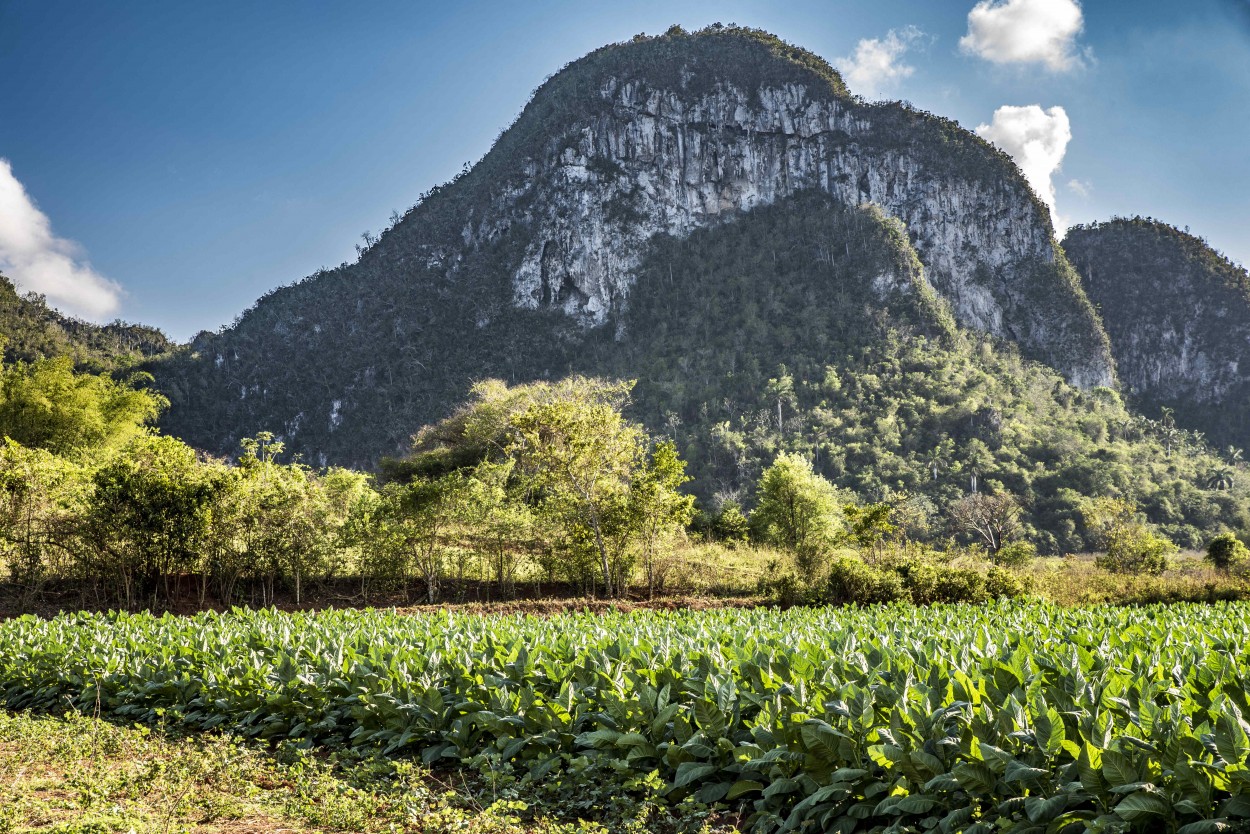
(348, 362)
(1178, 314)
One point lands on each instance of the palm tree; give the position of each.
(783, 389)
(1221, 478)
(1171, 438)
(939, 456)
(1233, 454)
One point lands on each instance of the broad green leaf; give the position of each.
(1140, 807)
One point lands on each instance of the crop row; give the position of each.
(1021, 717)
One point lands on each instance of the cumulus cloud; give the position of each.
(1036, 139)
(1026, 32)
(1082, 188)
(40, 261)
(876, 67)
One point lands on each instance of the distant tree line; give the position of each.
(547, 478)
(547, 481)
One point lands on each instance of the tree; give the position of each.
(1227, 553)
(413, 528)
(1129, 545)
(282, 527)
(731, 525)
(281, 521)
(797, 509)
(869, 525)
(939, 457)
(41, 497)
(47, 405)
(658, 507)
(149, 515)
(978, 459)
(1221, 477)
(578, 458)
(1168, 432)
(781, 389)
(993, 518)
(261, 449)
(500, 525)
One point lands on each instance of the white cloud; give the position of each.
(1025, 32)
(876, 67)
(40, 261)
(1036, 139)
(1081, 188)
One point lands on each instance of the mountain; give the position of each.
(528, 264)
(807, 326)
(30, 330)
(1178, 315)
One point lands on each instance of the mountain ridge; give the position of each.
(658, 136)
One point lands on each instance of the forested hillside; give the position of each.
(764, 336)
(805, 327)
(1178, 313)
(31, 330)
(532, 258)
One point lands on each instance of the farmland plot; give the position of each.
(1021, 717)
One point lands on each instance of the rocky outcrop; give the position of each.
(530, 261)
(1178, 315)
(660, 160)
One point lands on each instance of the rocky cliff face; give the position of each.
(659, 159)
(521, 264)
(1178, 315)
(659, 164)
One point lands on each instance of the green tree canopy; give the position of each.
(45, 404)
(149, 514)
(798, 510)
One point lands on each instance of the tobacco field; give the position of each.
(1022, 717)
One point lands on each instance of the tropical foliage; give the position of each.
(551, 478)
(976, 719)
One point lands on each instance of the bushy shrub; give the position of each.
(787, 589)
(1015, 554)
(1000, 582)
(1227, 553)
(930, 583)
(1137, 550)
(1130, 544)
(851, 580)
(731, 526)
(924, 580)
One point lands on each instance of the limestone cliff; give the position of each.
(1178, 315)
(675, 137)
(519, 265)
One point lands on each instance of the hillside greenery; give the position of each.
(1178, 313)
(32, 330)
(763, 338)
(551, 485)
(802, 327)
(346, 364)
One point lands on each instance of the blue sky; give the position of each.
(171, 162)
